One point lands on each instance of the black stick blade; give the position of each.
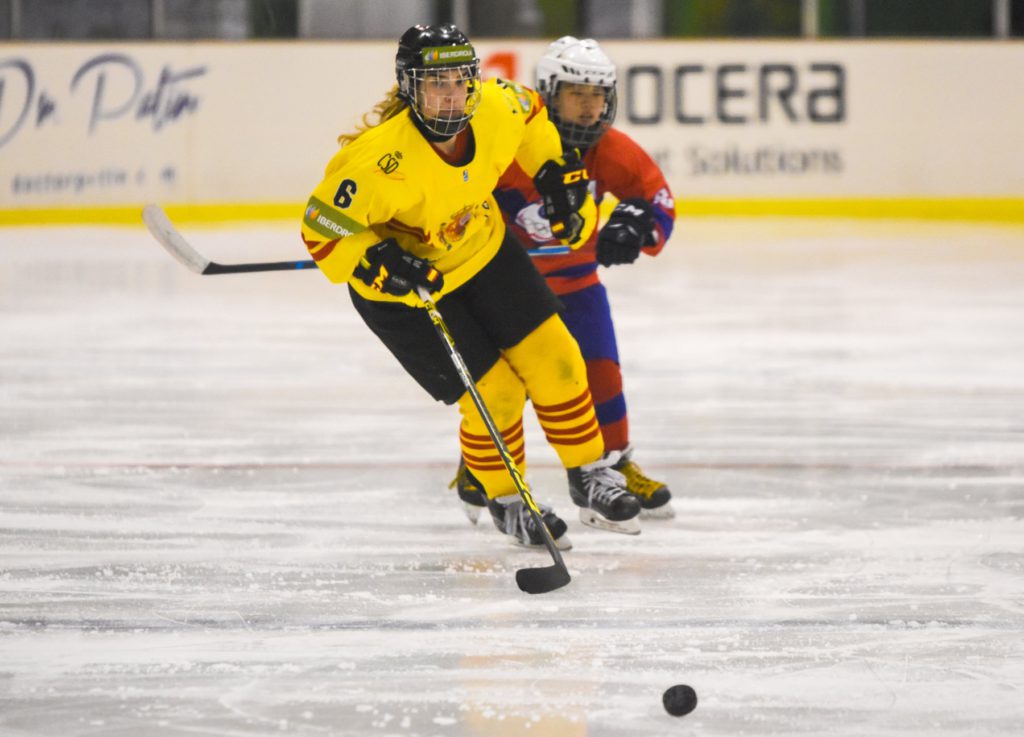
(214, 268)
(542, 580)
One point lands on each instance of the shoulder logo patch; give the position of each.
(328, 222)
(389, 162)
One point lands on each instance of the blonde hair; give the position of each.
(386, 109)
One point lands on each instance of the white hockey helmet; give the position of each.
(577, 61)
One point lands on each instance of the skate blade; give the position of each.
(562, 543)
(625, 527)
(472, 512)
(665, 511)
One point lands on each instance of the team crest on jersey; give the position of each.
(453, 231)
(534, 223)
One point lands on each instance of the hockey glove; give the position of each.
(630, 227)
(562, 185)
(388, 268)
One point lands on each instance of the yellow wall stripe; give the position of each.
(179, 214)
(1003, 209)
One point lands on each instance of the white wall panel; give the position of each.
(85, 125)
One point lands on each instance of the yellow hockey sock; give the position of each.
(504, 396)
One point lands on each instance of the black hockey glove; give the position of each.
(562, 185)
(630, 227)
(388, 268)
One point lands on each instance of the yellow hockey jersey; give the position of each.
(391, 183)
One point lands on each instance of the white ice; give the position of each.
(223, 507)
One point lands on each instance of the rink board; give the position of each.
(92, 131)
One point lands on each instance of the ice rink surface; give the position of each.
(223, 507)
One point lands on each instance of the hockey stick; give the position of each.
(530, 580)
(168, 236)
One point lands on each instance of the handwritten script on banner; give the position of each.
(113, 87)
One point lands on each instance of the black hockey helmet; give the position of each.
(424, 52)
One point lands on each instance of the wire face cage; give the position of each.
(579, 135)
(444, 99)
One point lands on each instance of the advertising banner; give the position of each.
(248, 127)
(85, 125)
(840, 119)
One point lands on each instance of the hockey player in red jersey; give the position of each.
(577, 82)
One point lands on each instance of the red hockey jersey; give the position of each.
(617, 167)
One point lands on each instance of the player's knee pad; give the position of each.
(549, 362)
(503, 393)
(555, 375)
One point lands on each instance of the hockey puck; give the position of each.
(679, 700)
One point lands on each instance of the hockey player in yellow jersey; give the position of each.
(407, 203)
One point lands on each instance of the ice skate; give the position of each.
(511, 516)
(600, 493)
(655, 498)
(471, 492)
